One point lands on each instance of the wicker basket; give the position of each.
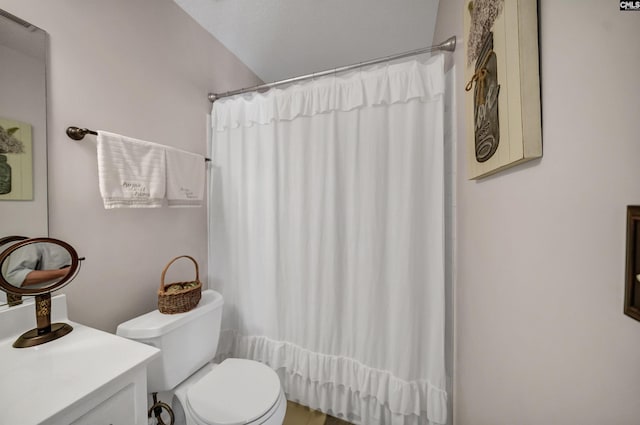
(179, 300)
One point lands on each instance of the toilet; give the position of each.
(234, 392)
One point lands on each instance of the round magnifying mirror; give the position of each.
(38, 267)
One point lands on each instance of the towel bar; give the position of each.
(77, 133)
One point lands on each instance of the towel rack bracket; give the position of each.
(77, 133)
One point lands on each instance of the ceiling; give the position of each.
(279, 39)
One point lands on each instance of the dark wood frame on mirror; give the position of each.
(632, 284)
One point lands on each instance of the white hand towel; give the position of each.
(131, 172)
(185, 178)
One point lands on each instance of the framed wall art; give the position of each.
(632, 272)
(16, 162)
(503, 115)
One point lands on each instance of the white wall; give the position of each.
(539, 331)
(140, 68)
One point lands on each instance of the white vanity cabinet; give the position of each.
(87, 377)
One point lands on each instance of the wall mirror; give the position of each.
(37, 267)
(23, 129)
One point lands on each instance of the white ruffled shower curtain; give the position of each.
(327, 240)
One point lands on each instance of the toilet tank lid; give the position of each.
(155, 324)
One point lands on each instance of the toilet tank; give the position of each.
(187, 340)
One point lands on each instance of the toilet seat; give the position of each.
(236, 392)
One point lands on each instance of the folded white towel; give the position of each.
(185, 178)
(131, 172)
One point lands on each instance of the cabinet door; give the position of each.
(119, 409)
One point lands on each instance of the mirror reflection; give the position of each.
(9, 299)
(23, 124)
(37, 265)
(23, 138)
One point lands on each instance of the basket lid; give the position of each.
(155, 324)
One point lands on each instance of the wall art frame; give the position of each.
(632, 269)
(503, 108)
(16, 160)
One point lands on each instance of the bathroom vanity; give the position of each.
(86, 377)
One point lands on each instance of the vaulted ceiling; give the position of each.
(279, 39)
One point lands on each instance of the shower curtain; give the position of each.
(327, 240)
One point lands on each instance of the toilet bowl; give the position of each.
(234, 392)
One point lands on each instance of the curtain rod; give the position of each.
(449, 46)
(77, 133)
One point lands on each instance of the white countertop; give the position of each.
(38, 382)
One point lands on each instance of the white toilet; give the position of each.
(235, 392)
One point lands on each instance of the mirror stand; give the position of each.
(50, 264)
(45, 331)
